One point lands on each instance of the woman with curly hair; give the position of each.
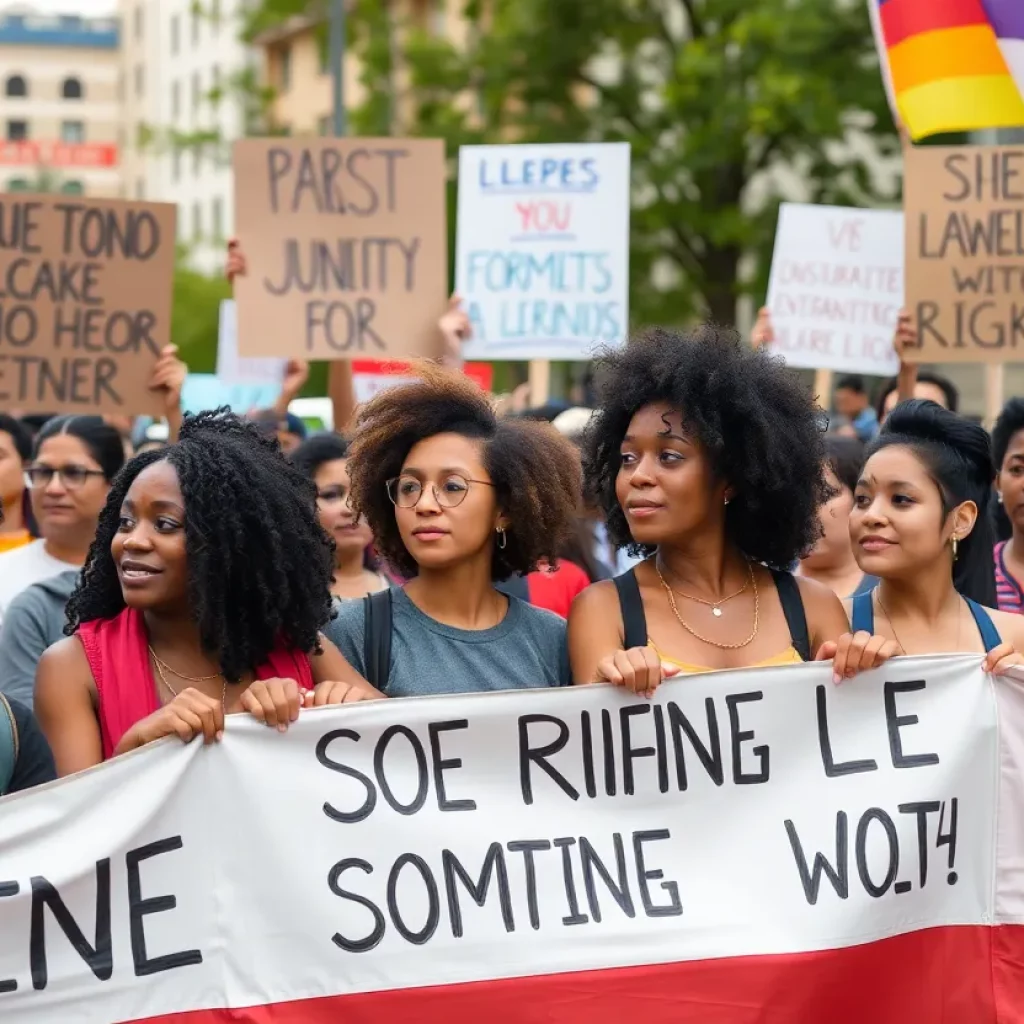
(203, 595)
(707, 459)
(457, 501)
(920, 523)
(1008, 449)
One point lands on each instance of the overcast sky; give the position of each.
(84, 7)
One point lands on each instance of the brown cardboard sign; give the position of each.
(346, 247)
(85, 302)
(964, 209)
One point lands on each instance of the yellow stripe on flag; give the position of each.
(950, 53)
(961, 105)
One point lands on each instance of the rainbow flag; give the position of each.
(952, 65)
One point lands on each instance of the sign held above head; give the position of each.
(85, 302)
(346, 243)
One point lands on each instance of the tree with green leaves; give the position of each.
(729, 107)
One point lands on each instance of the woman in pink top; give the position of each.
(203, 595)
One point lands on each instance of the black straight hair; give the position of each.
(103, 441)
(957, 455)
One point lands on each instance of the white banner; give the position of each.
(836, 288)
(246, 371)
(542, 260)
(426, 842)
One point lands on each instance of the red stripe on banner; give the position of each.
(957, 975)
(902, 19)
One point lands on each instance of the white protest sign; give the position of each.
(741, 836)
(836, 288)
(542, 259)
(233, 369)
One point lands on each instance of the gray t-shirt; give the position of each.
(526, 649)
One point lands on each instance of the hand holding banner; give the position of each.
(760, 841)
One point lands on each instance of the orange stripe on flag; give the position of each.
(961, 104)
(950, 53)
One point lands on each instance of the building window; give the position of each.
(17, 131)
(71, 87)
(217, 220)
(120, 85)
(140, 188)
(324, 125)
(176, 165)
(175, 35)
(215, 86)
(323, 43)
(195, 24)
(140, 80)
(215, 15)
(72, 131)
(72, 188)
(16, 86)
(18, 185)
(284, 71)
(197, 89)
(197, 160)
(139, 24)
(197, 221)
(175, 101)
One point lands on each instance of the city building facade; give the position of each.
(59, 107)
(181, 63)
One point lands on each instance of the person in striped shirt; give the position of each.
(1008, 449)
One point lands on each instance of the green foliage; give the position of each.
(709, 93)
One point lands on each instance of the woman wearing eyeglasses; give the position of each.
(457, 500)
(324, 460)
(73, 462)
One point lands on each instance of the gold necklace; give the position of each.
(715, 606)
(160, 666)
(895, 635)
(703, 639)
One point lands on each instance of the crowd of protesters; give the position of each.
(695, 516)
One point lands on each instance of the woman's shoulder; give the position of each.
(65, 654)
(1010, 626)
(538, 620)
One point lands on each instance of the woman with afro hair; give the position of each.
(707, 459)
(203, 595)
(457, 500)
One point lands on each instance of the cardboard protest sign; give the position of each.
(85, 302)
(203, 391)
(759, 842)
(370, 376)
(836, 288)
(346, 243)
(542, 259)
(233, 368)
(964, 207)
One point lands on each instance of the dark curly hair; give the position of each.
(259, 566)
(957, 454)
(535, 471)
(757, 424)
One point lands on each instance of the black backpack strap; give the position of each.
(515, 586)
(793, 609)
(634, 622)
(377, 609)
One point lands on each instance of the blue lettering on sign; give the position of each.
(542, 319)
(539, 174)
(500, 271)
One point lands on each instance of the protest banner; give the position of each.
(762, 842)
(371, 376)
(964, 210)
(542, 253)
(346, 244)
(836, 288)
(85, 302)
(233, 368)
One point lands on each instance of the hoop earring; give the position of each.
(954, 543)
(502, 539)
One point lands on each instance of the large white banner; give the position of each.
(836, 287)
(542, 258)
(413, 845)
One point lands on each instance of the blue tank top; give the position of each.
(863, 618)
